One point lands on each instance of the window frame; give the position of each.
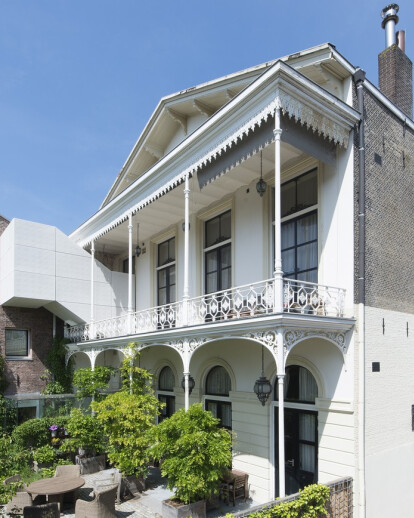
(28, 355)
(168, 266)
(218, 248)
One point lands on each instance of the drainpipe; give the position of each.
(359, 78)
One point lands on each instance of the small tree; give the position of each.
(126, 417)
(90, 383)
(195, 452)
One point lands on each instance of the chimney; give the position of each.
(395, 69)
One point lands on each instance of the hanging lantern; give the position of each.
(261, 185)
(262, 387)
(191, 384)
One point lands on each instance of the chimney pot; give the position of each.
(389, 21)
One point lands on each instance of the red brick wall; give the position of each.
(24, 375)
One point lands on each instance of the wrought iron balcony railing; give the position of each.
(248, 301)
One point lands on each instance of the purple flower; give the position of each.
(53, 428)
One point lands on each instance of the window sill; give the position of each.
(19, 358)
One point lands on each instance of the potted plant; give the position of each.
(54, 429)
(195, 453)
(44, 457)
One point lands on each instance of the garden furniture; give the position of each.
(234, 486)
(20, 499)
(56, 487)
(72, 471)
(49, 510)
(102, 506)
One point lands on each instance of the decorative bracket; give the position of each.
(178, 117)
(203, 108)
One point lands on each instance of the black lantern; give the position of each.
(138, 251)
(191, 384)
(261, 185)
(262, 386)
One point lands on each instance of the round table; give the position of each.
(55, 486)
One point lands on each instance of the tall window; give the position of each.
(17, 343)
(217, 253)
(299, 238)
(166, 272)
(166, 384)
(299, 386)
(218, 384)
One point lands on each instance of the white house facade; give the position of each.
(229, 250)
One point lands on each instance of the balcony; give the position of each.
(248, 301)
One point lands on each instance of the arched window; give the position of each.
(166, 383)
(218, 384)
(299, 385)
(166, 379)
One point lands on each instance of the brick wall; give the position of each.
(389, 171)
(395, 72)
(24, 375)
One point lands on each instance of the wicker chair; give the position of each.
(20, 499)
(50, 510)
(71, 470)
(102, 506)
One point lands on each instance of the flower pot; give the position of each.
(174, 509)
(54, 433)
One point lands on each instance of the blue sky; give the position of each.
(80, 78)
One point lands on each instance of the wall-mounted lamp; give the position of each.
(191, 384)
(183, 226)
(261, 185)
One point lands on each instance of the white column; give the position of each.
(130, 263)
(278, 273)
(92, 322)
(281, 432)
(186, 390)
(186, 293)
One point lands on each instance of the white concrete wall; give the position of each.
(389, 399)
(41, 266)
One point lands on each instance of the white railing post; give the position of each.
(278, 273)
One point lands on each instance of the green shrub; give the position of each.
(194, 450)
(3, 382)
(8, 415)
(310, 504)
(35, 433)
(7, 491)
(85, 431)
(13, 459)
(44, 454)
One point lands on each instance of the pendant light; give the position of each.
(137, 248)
(261, 185)
(262, 386)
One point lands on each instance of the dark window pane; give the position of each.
(211, 261)
(307, 228)
(225, 226)
(307, 190)
(17, 342)
(212, 232)
(218, 382)
(166, 379)
(225, 279)
(308, 256)
(288, 234)
(211, 282)
(166, 252)
(226, 256)
(288, 198)
(299, 386)
(288, 261)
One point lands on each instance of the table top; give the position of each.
(55, 485)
